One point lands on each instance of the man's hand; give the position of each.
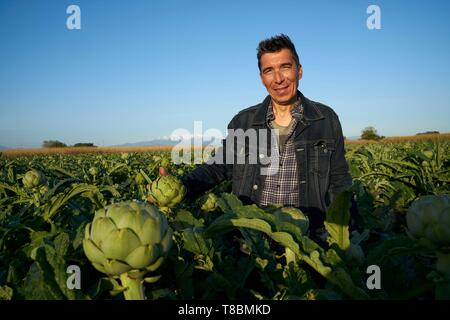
(163, 171)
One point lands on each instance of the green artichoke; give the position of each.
(428, 220)
(293, 215)
(43, 189)
(165, 163)
(139, 179)
(126, 240)
(209, 202)
(33, 179)
(429, 154)
(93, 171)
(167, 191)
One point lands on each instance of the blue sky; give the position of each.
(137, 70)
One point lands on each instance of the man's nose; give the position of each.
(278, 77)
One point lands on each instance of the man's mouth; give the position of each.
(282, 90)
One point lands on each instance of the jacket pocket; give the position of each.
(320, 154)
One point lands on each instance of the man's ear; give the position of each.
(300, 71)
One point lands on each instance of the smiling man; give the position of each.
(311, 168)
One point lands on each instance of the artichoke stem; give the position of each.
(134, 287)
(166, 210)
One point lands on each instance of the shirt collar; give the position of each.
(296, 112)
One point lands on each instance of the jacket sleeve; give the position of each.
(340, 178)
(208, 175)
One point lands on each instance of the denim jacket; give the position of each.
(319, 146)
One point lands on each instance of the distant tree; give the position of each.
(428, 132)
(84, 144)
(53, 144)
(370, 133)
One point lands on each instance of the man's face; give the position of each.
(280, 75)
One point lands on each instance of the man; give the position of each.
(310, 165)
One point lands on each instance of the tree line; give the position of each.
(59, 144)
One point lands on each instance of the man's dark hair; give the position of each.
(275, 44)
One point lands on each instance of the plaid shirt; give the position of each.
(281, 187)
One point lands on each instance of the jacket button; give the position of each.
(261, 156)
(255, 187)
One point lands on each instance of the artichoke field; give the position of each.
(133, 235)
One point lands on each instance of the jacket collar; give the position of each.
(310, 110)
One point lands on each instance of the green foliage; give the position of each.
(53, 144)
(427, 132)
(233, 251)
(84, 144)
(370, 133)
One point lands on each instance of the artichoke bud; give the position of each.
(428, 220)
(165, 162)
(139, 179)
(43, 189)
(33, 179)
(127, 237)
(167, 191)
(209, 202)
(93, 171)
(429, 154)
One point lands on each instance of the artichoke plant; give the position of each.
(428, 221)
(208, 202)
(93, 171)
(293, 215)
(127, 240)
(165, 162)
(139, 179)
(355, 255)
(33, 179)
(167, 191)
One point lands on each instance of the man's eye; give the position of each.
(287, 66)
(267, 71)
